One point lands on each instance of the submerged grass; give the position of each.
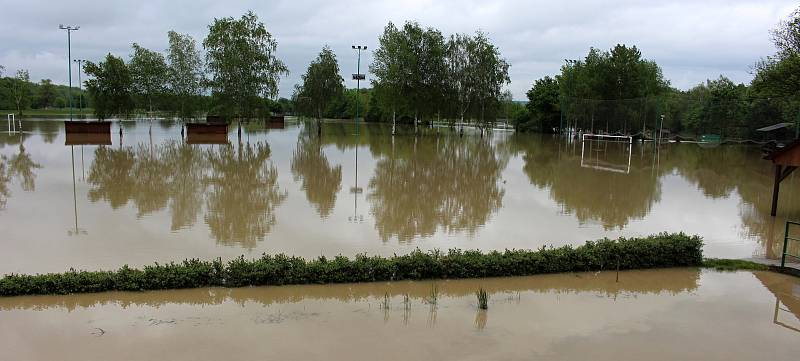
(662, 250)
(733, 265)
(483, 299)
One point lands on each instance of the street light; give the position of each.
(69, 29)
(570, 62)
(80, 91)
(358, 77)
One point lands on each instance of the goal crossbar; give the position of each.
(612, 138)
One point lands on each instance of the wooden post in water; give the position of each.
(786, 160)
(776, 187)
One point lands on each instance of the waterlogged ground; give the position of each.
(150, 196)
(673, 314)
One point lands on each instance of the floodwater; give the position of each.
(148, 196)
(671, 314)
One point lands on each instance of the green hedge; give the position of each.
(662, 250)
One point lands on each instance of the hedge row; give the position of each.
(662, 250)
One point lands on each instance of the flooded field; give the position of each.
(672, 314)
(151, 196)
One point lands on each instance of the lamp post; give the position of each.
(69, 29)
(80, 91)
(358, 77)
(570, 63)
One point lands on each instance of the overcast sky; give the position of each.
(691, 40)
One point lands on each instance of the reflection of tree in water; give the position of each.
(244, 193)
(321, 182)
(611, 198)
(151, 177)
(719, 172)
(111, 176)
(21, 165)
(4, 180)
(715, 171)
(186, 165)
(243, 188)
(423, 184)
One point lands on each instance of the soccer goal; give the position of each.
(610, 153)
(13, 125)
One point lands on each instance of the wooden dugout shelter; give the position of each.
(786, 160)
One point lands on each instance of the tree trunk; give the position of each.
(319, 121)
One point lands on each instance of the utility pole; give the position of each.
(571, 63)
(80, 91)
(69, 29)
(358, 77)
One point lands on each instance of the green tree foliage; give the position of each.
(491, 73)
(543, 106)
(47, 94)
(420, 75)
(242, 63)
(20, 88)
(322, 83)
(613, 86)
(110, 86)
(461, 72)
(778, 76)
(786, 36)
(185, 73)
(409, 68)
(149, 72)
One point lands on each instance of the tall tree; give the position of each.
(543, 104)
(109, 86)
(20, 88)
(787, 35)
(185, 72)
(241, 59)
(148, 74)
(613, 85)
(491, 73)
(322, 83)
(47, 93)
(461, 72)
(410, 63)
(388, 70)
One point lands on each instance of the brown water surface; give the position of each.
(672, 314)
(151, 196)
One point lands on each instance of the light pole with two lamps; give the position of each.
(80, 90)
(358, 77)
(69, 29)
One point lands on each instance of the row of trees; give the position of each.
(418, 74)
(19, 93)
(618, 91)
(239, 68)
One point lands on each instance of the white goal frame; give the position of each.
(609, 138)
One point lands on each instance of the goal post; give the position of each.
(608, 138)
(594, 161)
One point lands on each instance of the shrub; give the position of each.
(662, 250)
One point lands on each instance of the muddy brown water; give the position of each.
(672, 314)
(150, 196)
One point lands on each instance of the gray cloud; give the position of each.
(691, 40)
